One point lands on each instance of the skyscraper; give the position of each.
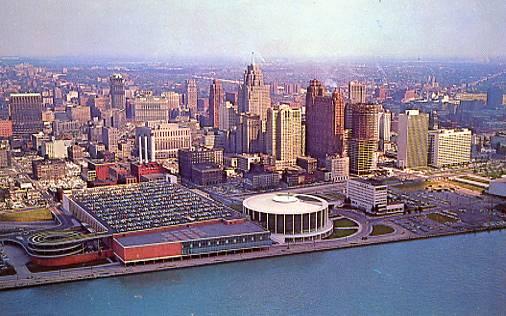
(191, 96)
(254, 95)
(26, 113)
(284, 135)
(216, 99)
(494, 97)
(364, 138)
(117, 92)
(324, 121)
(356, 95)
(449, 147)
(384, 129)
(412, 139)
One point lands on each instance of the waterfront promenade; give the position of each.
(116, 269)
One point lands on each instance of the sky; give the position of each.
(270, 28)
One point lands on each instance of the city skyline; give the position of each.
(302, 29)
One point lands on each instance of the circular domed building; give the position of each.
(290, 217)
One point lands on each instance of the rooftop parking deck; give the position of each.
(149, 205)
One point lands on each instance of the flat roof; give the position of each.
(196, 232)
(283, 203)
(147, 205)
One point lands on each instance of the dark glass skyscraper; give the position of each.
(26, 113)
(117, 92)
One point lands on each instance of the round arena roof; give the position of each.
(285, 203)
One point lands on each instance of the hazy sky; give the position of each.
(272, 28)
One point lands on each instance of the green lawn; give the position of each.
(414, 186)
(345, 222)
(35, 215)
(341, 233)
(440, 218)
(378, 230)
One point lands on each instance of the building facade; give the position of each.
(158, 141)
(412, 139)
(324, 121)
(26, 113)
(449, 147)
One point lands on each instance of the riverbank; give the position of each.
(116, 269)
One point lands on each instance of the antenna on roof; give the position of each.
(253, 58)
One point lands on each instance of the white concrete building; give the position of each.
(339, 168)
(369, 196)
(161, 141)
(290, 217)
(449, 147)
(55, 149)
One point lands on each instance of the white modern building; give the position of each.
(339, 168)
(290, 217)
(371, 196)
(449, 147)
(161, 140)
(54, 149)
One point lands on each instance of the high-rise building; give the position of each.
(5, 154)
(364, 138)
(216, 99)
(231, 97)
(228, 116)
(26, 113)
(117, 92)
(149, 108)
(356, 92)
(191, 96)
(254, 95)
(356, 95)
(110, 138)
(324, 121)
(494, 97)
(158, 141)
(284, 135)
(449, 147)
(412, 139)
(173, 99)
(384, 129)
(249, 134)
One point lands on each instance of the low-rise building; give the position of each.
(207, 174)
(371, 196)
(48, 169)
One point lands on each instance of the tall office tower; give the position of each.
(216, 99)
(356, 95)
(412, 139)
(110, 138)
(364, 138)
(254, 95)
(433, 120)
(231, 97)
(494, 97)
(249, 134)
(324, 121)
(173, 99)
(156, 141)
(384, 127)
(26, 113)
(149, 108)
(117, 92)
(228, 116)
(191, 96)
(449, 147)
(284, 135)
